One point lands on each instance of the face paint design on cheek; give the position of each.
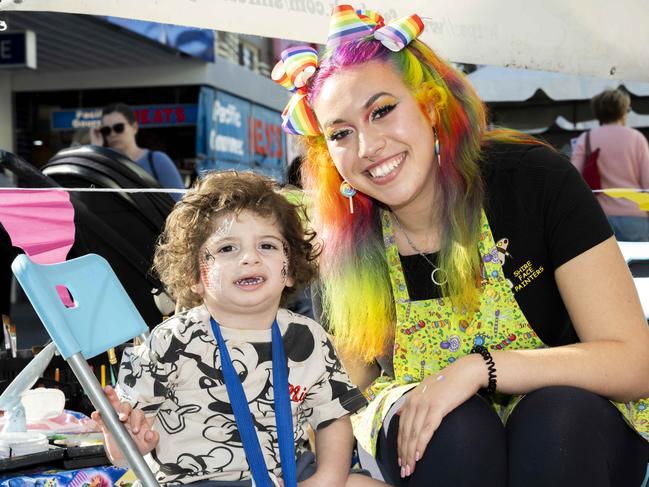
(211, 273)
(211, 277)
(285, 262)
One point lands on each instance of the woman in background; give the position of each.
(119, 128)
(623, 162)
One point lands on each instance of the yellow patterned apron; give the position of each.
(432, 334)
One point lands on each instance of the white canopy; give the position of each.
(517, 103)
(587, 37)
(497, 84)
(634, 120)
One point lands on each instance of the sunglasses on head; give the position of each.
(106, 130)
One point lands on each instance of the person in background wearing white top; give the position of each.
(623, 162)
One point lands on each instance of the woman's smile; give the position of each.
(383, 170)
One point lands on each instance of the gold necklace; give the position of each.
(437, 272)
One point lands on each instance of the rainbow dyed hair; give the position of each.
(356, 294)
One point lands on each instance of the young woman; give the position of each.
(119, 128)
(470, 273)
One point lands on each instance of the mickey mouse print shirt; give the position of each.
(176, 377)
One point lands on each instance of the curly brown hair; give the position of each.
(191, 222)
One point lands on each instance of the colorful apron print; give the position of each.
(432, 334)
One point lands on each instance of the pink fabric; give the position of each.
(41, 223)
(623, 163)
(66, 422)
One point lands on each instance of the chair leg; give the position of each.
(93, 389)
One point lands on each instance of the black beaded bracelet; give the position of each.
(491, 367)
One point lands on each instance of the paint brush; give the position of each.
(112, 360)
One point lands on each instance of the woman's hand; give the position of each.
(135, 422)
(95, 137)
(428, 403)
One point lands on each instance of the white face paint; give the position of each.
(244, 264)
(211, 274)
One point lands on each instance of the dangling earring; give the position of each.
(348, 191)
(437, 151)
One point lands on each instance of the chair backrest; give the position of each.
(100, 167)
(103, 316)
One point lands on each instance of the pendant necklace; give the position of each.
(438, 276)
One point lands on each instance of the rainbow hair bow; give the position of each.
(292, 72)
(348, 24)
(299, 63)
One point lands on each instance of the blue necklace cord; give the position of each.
(243, 417)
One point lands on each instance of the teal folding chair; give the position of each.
(103, 317)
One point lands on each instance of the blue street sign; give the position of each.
(18, 50)
(147, 116)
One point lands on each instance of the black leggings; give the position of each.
(556, 436)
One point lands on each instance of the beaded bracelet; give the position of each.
(491, 367)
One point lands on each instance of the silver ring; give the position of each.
(432, 276)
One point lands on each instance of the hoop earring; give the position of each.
(437, 150)
(348, 191)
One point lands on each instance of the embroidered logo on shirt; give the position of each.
(526, 274)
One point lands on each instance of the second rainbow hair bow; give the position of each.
(292, 72)
(348, 24)
(299, 63)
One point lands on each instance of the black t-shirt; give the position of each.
(542, 214)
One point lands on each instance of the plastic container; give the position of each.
(17, 444)
(42, 403)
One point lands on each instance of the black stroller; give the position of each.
(121, 227)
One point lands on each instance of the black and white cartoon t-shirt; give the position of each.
(176, 376)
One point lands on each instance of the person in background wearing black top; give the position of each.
(119, 128)
(470, 277)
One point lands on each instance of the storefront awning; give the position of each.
(78, 42)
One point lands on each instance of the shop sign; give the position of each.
(228, 135)
(18, 50)
(165, 115)
(267, 141)
(147, 116)
(233, 133)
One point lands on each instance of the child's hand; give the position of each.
(135, 422)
